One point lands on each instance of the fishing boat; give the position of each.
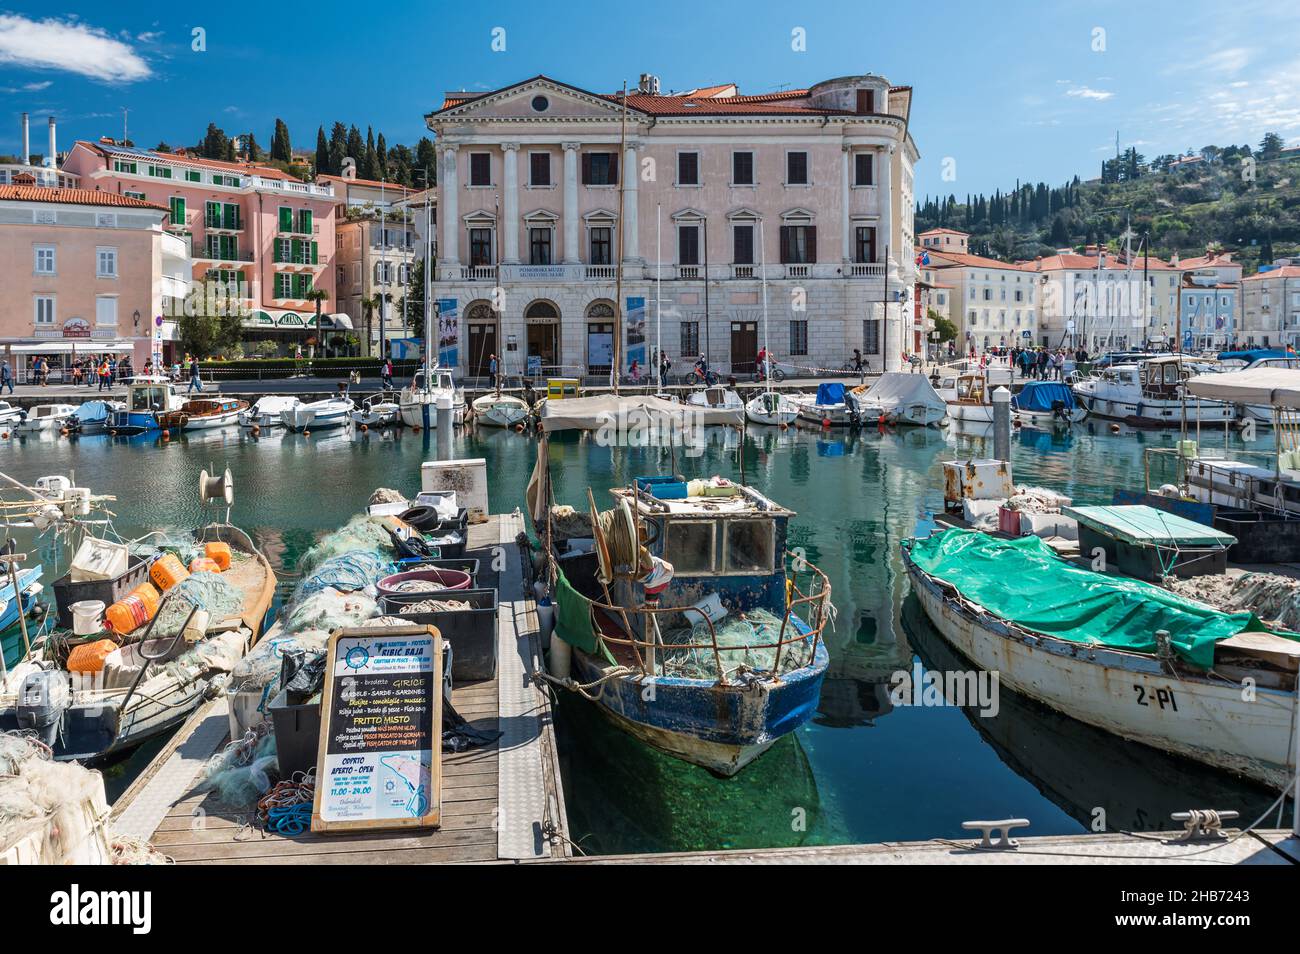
(770, 407)
(832, 406)
(419, 401)
(12, 642)
(1150, 393)
(332, 412)
(93, 417)
(1046, 403)
(1119, 654)
(9, 414)
(899, 397)
(147, 397)
(500, 410)
(683, 617)
(375, 412)
(204, 414)
(45, 417)
(267, 410)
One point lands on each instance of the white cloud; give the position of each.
(71, 46)
(1087, 92)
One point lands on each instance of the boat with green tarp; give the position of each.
(1117, 653)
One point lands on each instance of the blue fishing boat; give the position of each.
(1044, 403)
(93, 417)
(680, 614)
(148, 397)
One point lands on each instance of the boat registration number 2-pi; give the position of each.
(1164, 698)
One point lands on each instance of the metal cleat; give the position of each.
(1203, 824)
(1002, 827)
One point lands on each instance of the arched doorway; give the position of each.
(481, 322)
(542, 323)
(600, 337)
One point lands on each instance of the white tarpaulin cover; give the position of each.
(608, 410)
(895, 389)
(1278, 387)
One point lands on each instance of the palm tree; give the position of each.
(318, 295)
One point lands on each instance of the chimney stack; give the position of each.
(27, 141)
(52, 160)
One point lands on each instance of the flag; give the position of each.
(923, 258)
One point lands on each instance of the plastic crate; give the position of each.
(297, 734)
(464, 564)
(472, 633)
(108, 592)
(663, 487)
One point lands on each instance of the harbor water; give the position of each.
(866, 768)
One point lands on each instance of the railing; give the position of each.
(798, 271)
(689, 272)
(478, 273)
(817, 600)
(866, 270)
(601, 273)
(742, 271)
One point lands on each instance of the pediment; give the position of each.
(563, 102)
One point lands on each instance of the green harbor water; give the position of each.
(863, 769)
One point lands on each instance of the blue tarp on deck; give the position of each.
(830, 394)
(1252, 355)
(1040, 396)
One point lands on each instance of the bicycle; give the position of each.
(694, 377)
(777, 375)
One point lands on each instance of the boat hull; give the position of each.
(500, 413)
(212, 421)
(1154, 413)
(305, 417)
(1118, 691)
(133, 422)
(784, 412)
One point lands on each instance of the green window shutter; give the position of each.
(178, 210)
(314, 253)
(306, 221)
(212, 215)
(295, 251)
(286, 219)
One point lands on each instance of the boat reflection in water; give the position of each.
(1104, 782)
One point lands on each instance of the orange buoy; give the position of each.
(306, 433)
(416, 428)
(63, 431)
(826, 422)
(365, 427)
(5, 435)
(112, 433)
(256, 430)
(519, 427)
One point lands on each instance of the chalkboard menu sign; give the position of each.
(379, 762)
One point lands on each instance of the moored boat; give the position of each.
(770, 407)
(900, 397)
(267, 411)
(1150, 393)
(500, 410)
(419, 401)
(376, 413)
(332, 412)
(832, 406)
(147, 397)
(45, 417)
(1047, 403)
(204, 414)
(9, 414)
(93, 417)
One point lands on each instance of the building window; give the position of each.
(688, 168)
(106, 311)
(539, 246)
(193, 175)
(690, 338)
(44, 264)
(121, 165)
(871, 336)
(742, 168)
(539, 168)
(105, 262)
(177, 206)
(743, 244)
(866, 104)
(798, 244)
(134, 195)
(799, 337)
(688, 245)
(44, 311)
(480, 169)
(864, 244)
(600, 168)
(356, 273)
(340, 275)
(160, 172)
(480, 247)
(383, 273)
(862, 169)
(602, 245)
(796, 168)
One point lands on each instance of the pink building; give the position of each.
(251, 228)
(83, 272)
(815, 185)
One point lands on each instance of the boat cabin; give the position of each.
(972, 389)
(151, 393)
(559, 388)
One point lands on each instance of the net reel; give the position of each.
(216, 489)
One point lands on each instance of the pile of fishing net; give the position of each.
(329, 609)
(386, 495)
(744, 632)
(202, 590)
(435, 606)
(241, 773)
(348, 572)
(1037, 500)
(49, 811)
(1270, 596)
(361, 533)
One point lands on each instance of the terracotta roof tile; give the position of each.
(22, 193)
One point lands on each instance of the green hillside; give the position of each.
(1237, 198)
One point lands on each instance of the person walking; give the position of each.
(492, 368)
(196, 383)
(386, 374)
(665, 365)
(1041, 364)
(6, 376)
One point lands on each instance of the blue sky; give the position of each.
(1004, 90)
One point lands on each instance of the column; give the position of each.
(510, 218)
(846, 252)
(449, 183)
(631, 245)
(891, 338)
(571, 256)
(885, 205)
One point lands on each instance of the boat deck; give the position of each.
(499, 803)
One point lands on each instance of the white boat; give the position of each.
(267, 411)
(1150, 393)
(419, 402)
(1047, 404)
(772, 408)
(1261, 414)
(1156, 698)
(10, 414)
(900, 397)
(332, 412)
(377, 414)
(717, 405)
(203, 414)
(45, 417)
(500, 410)
(833, 405)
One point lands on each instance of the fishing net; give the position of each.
(241, 773)
(386, 495)
(361, 533)
(1270, 596)
(348, 572)
(202, 590)
(329, 609)
(261, 667)
(743, 633)
(48, 809)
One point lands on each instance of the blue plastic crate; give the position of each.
(663, 487)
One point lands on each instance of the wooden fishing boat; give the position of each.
(204, 414)
(147, 397)
(1159, 669)
(157, 683)
(500, 410)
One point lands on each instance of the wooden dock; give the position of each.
(500, 803)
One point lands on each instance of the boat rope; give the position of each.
(583, 688)
(286, 808)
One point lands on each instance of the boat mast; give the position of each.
(618, 275)
(659, 261)
(428, 283)
(762, 270)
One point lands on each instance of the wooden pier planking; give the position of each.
(195, 829)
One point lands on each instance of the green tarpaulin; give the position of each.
(1025, 582)
(573, 616)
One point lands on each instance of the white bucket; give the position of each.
(86, 616)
